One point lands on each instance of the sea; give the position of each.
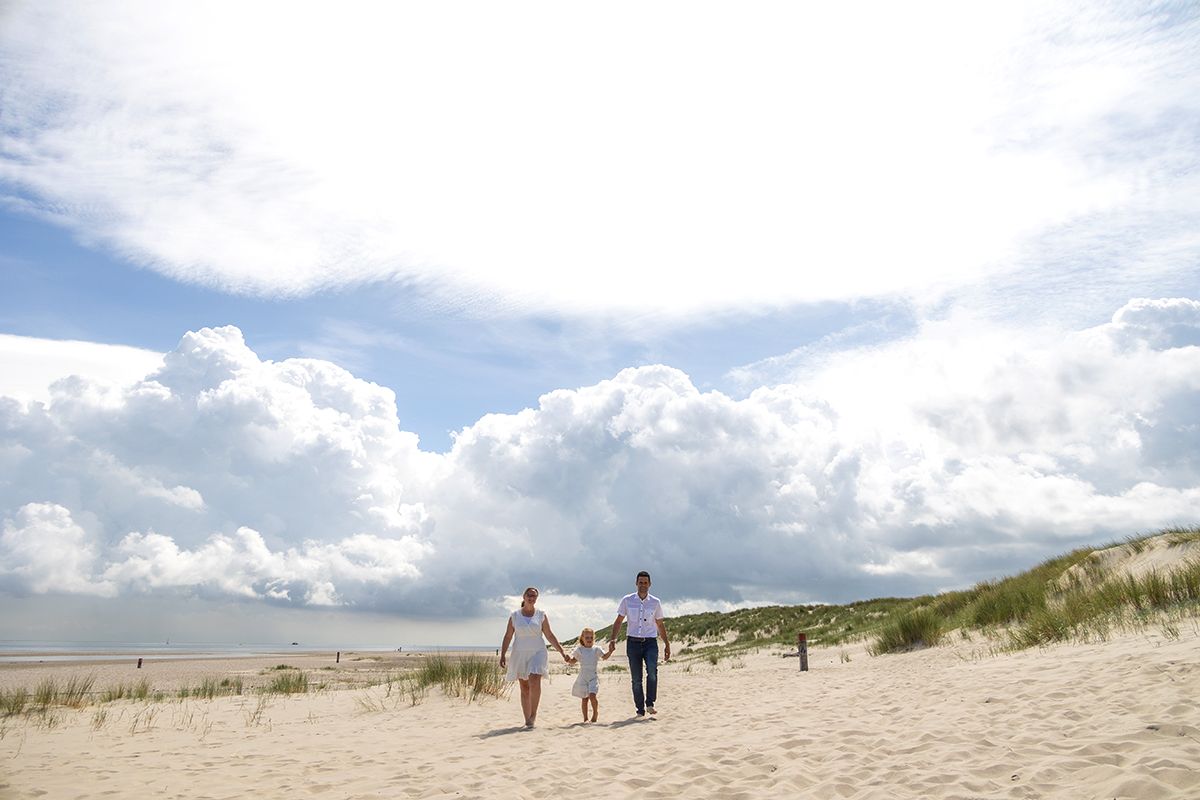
(17, 651)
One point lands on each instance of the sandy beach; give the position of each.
(1115, 719)
(170, 673)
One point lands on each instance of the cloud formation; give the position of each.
(550, 158)
(952, 456)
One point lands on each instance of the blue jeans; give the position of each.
(639, 651)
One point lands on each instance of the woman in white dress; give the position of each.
(528, 663)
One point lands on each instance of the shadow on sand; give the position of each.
(503, 732)
(631, 721)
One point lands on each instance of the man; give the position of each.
(645, 615)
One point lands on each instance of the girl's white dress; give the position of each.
(588, 681)
(528, 654)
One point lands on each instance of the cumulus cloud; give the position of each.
(44, 550)
(949, 457)
(546, 157)
(28, 366)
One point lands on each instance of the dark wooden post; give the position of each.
(339, 657)
(139, 663)
(802, 647)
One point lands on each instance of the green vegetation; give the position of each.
(919, 627)
(289, 682)
(469, 676)
(14, 702)
(1066, 597)
(211, 687)
(775, 625)
(124, 691)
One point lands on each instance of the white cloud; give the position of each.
(44, 550)
(28, 366)
(552, 157)
(242, 565)
(960, 453)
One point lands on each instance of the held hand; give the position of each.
(503, 661)
(667, 653)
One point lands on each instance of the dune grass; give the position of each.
(13, 702)
(1090, 611)
(920, 627)
(290, 681)
(469, 676)
(126, 691)
(1035, 607)
(211, 686)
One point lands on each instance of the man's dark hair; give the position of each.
(643, 573)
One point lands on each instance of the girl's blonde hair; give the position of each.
(587, 630)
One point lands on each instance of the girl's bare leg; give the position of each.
(595, 706)
(525, 699)
(583, 704)
(535, 697)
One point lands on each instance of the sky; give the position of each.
(346, 324)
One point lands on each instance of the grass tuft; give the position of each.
(290, 682)
(469, 677)
(920, 627)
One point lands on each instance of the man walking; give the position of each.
(645, 616)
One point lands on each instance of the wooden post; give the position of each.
(802, 646)
(139, 663)
(339, 657)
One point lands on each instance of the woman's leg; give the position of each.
(525, 697)
(535, 696)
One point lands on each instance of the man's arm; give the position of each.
(612, 637)
(662, 632)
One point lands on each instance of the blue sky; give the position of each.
(447, 368)
(782, 305)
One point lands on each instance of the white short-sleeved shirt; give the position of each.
(640, 614)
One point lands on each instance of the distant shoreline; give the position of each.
(170, 671)
(13, 652)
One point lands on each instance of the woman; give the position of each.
(528, 664)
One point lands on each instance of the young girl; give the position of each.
(587, 655)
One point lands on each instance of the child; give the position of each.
(587, 655)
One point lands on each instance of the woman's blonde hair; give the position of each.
(587, 630)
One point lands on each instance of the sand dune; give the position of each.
(1118, 719)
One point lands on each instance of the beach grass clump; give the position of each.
(1008, 601)
(126, 691)
(73, 693)
(1085, 611)
(13, 702)
(1181, 535)
(919, 627)
(469, 677)
(289, 682)
(211, 687)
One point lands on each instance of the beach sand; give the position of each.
(1116, 719)
(169, 674)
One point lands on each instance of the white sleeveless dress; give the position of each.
(528, 654)
(588, 681)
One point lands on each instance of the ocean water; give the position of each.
(31, 651)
